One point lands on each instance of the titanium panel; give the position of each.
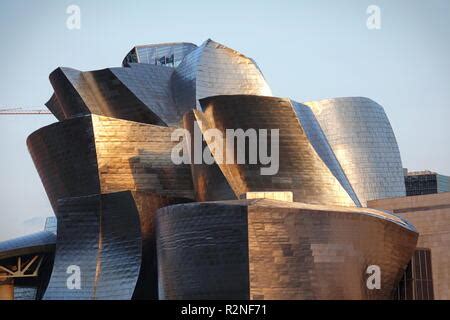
(301, 170)
(202, 252)
(320, 143)
(65, 158)
(39, 242)
(209, 182)
(137, 156)
(101, 235)
(94, 154)
(147, 203)
(266, 249)
(151, 85)
(78, 241)
(214, 69)
(364, 143)
(97, 92)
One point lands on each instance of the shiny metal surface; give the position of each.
(147, 203)
(208, 180)
(320, 143)
(101, 235)
(98, 92)
(301, 170)
(39, 242)
(214, 69)
(150, 92)
(94, 154)
(151, 85)
(364, 143)
(121, 201)
(111, 237)
(266, 249)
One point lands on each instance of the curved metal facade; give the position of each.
(121, 202)
(98, 92)
(320, 143)
(364, 143)
(151, 85)
(214, 69)
(39, 242)
(111, 238)
(265, 249)
(101, 235)
(202, 252)
(301, 170)
(65, 158)
(94, 154)
(149, 91)
(208, 180)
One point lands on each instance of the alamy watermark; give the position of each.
(73, 281)
(374, 280)
(236, 146)
(374, 20)
(73, 21)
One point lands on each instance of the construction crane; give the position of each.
(23, 111)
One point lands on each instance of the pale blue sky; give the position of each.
(307, 50)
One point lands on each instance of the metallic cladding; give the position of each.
(137, 156)
(101, 235)
(266, 249)
(121, 201)
(111, 237)
(301, 170)
(39, 242)
(202, 252)
(319, 142)
(209, 182)
(151, 85)
(65, 157)
(97, 92)
(94, 154)
(214, 69)
(147, 203)
(364, 143)
(77, 244)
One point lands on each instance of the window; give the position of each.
(417, 280)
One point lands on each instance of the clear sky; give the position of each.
(307, 50)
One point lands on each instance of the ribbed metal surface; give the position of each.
(209, 182)
(98, 92)
(202, 252)
(320, 143)
(364, 143)
(101, 235)
(39, 242)
(151, 85)
(265, 249)
(108, 162)
(65, 158)
(214, 69)
(301, 170)
(95, 154)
